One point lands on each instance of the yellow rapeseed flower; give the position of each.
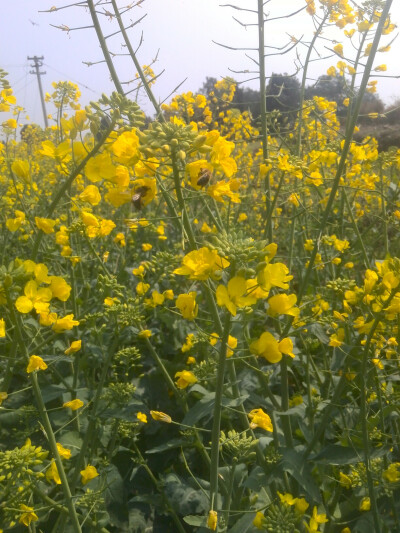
(35, 363)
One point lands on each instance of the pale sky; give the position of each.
(181, 31)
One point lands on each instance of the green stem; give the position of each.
(215, 432)
(104, 48)
(136, 62)
(47, 425)
(263, 111)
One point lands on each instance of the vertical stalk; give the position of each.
(263, 109)
(215, 432)
(104, 49)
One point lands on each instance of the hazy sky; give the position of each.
(180, 31)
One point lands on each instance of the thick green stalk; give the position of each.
(215, 432)
(136, 62)
(46, 424)
(104, 48)
(304, 80)
(263, 110)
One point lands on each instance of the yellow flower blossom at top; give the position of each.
(161, 417)
(65, 323)
(186, 303)
(3, 396)
(269, 348)
(145, 334)
(91, 195)
(259, 520)
(100, 167)
(45, 224)
(35, 363)
(274, 275)
(259, 419)
(74, 405)
(212, 520)
(185, 378)
(283, 304)
(21, 169)
(338, 48)
(2, 328)
(126, 148)
(315, 520)
(234, 295)
(27, 516)
(65, 453)
(202, 264)
(365, 504)
(52, 473)
(88, 474)
(74, 347)
(142, 417)
(392, 473)
(60, 288)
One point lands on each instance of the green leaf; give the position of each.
(194, 520)
(335, 454)
(173, 443)
(293, 462)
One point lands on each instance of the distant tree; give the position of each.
(333, 88)
(283, 95)
(247, 99)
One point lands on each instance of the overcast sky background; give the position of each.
(181, 31)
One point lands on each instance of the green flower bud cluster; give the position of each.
(127, 430)
(17, 465)
(238, 446)
(272, 456)
(238, 248)
(162, 265)
(127, 314)
(282, 519)
(93, 500)
(119, 393)
(117, 106)
(4, 83)
(205, 370)
(109, 285)
(341, 285)
(168, 137)
(126, 362)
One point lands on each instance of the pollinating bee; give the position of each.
(137, 198)
(203, 177)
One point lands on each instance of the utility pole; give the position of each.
(38, 62)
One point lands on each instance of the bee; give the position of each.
(203, 177)
(138, 196)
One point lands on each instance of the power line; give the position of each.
(72, 79)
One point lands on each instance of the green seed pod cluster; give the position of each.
(238, 248)
(281, 519)
(238, 447)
